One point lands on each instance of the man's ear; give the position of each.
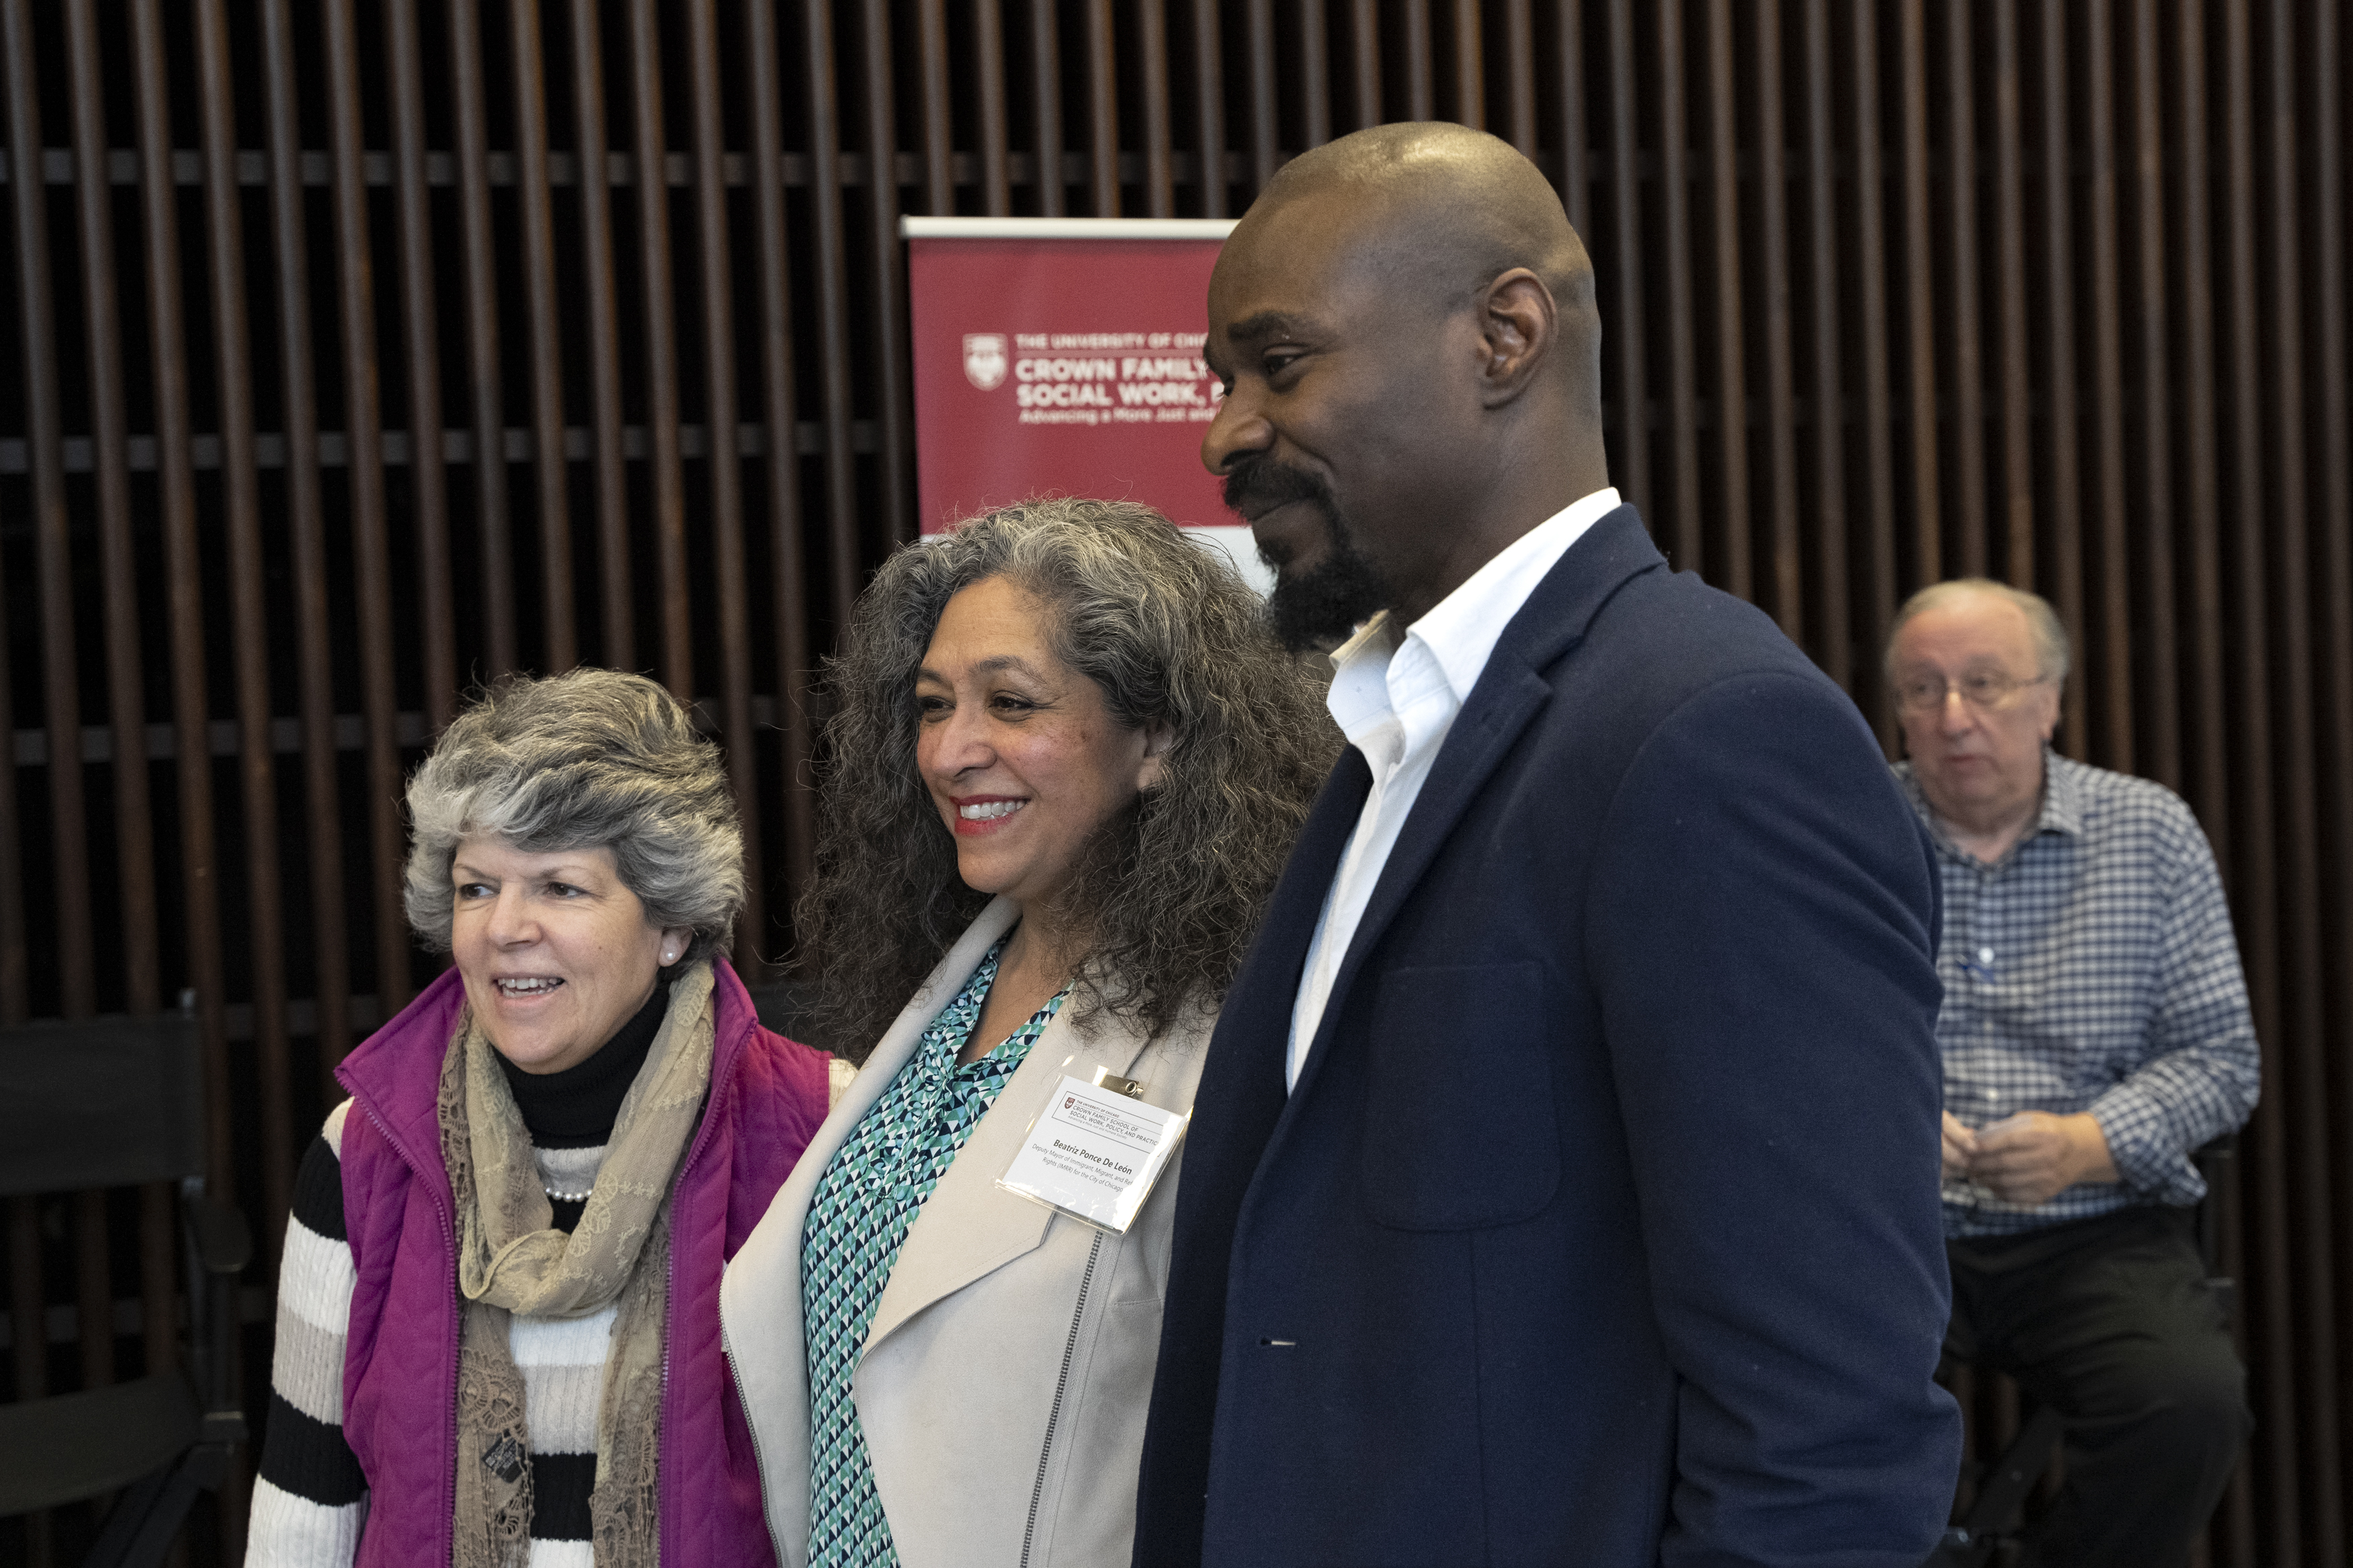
(1518, 326)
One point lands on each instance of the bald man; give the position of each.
(1563, 1182)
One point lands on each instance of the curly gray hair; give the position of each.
(1169, 889)
(589, 758)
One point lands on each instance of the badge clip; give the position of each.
(1131, 1086)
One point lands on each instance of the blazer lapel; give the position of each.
(760, 1286)
(969, 1226)
(1508, 696)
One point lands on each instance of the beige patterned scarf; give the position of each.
(512, 1260)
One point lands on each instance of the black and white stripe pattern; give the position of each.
(310, 1501)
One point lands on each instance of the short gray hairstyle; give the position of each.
(2051, 644)
(588, 759)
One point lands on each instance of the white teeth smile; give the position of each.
(527, 987)
(989, 811)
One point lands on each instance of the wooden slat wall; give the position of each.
(357, 353)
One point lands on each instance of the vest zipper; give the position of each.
(1062, 1386)
(457, 1349)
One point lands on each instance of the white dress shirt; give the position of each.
(1395, 701)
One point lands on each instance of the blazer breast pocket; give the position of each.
(1460, 1129)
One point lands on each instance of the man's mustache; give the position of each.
(1255, 486)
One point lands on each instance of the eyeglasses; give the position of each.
(1987, 690)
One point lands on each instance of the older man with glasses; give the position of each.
(2094, 1032)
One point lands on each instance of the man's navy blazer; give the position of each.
(1602, 1226)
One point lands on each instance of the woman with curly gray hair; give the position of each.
(497, 1328)
(1065, 764)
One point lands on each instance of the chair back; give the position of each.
(100, 1102)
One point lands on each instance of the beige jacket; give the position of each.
(1004, 1382)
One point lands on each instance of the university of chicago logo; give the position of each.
(984, 360)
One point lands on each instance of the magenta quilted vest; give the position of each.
(400, 1371)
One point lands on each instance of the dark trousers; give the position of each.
(2110, 1319)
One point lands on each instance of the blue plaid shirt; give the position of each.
(2093, 968)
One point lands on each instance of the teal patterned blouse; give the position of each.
(858, 1218)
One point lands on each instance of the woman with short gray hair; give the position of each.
(504, 1270)
(1064, 768)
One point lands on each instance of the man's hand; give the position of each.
(1960, 1146)
(2032, 1157)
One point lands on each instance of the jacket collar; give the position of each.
(1510, 693)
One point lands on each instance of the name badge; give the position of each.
(1095, 1152)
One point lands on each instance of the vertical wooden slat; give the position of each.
(175, 462)
(1365, 65)
(1159, 165)
(1520, 58)
(1266, 125)
(1045, 104)
(887, 315)
(2151, 315)
(428, 473)
(592, 150)
(1315, 75)
(68, 833)
(1630, 460)
(2322, 43)
(135, 851)
(306, 530)
(832, 302)
(251, 610)
(1733, 572)
(168, 346)
(1469, 74)
(781, 433)
(493, 525)
(939, 121)
(1420, 69)
(1968, 533)
(371, 547)
(2009, 243)
(1919, 301)
(14, 962)
(559, 644)
(727, 578)
(1878, 392)
(2285, 554)
(1103, 109)
(995, 174)
(1209, 107)
(1787, 602)
(2119, 733)
(1568, 79)
(2207, 780)
(126, 686)
(1828, 524)
(2240, 821)
(653, 176)
(2285, 1387)
(2059, 526)
(1680, 522)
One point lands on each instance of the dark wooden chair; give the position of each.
(107, 1103)
(1997, 1514)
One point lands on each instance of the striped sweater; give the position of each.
(311, 1500)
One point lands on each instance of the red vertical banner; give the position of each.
(1062, 357)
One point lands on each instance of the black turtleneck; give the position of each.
(576, 1109)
